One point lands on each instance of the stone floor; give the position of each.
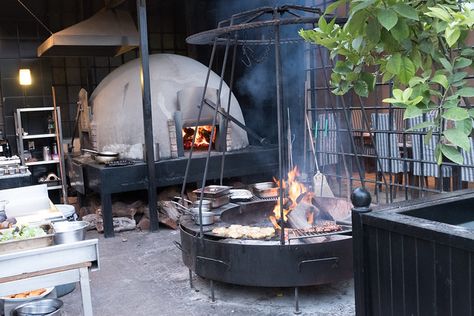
(142, 273)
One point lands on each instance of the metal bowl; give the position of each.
(67, 232)
(47, 307)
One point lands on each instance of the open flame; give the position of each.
(203, 137)
(294, 190)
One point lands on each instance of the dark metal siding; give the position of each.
(414, 276)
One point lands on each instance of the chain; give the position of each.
(249, 55)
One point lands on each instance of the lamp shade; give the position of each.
(25, 77)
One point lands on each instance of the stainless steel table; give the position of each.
(50, 266)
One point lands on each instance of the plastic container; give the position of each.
(69, 212)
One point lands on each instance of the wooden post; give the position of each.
(361, 199)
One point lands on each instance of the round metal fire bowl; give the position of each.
(263, 263)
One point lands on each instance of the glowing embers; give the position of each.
(203, 137)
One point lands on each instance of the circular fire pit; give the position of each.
(266, 263)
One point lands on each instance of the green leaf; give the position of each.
(333, 6)
(323, 25)
(456, 114)
(356, 23)
(441, 79)
(440, 26)
(416, 58)
(421, 126)
(394, 63)
(457, 137)
(471, 112)
(342, 68)
(451, 153)
(369, 78)
(407, 94)
(412, 111)
(387, 76)
(391, 100)
(446, 64)
(398, 94)
(390, 45)
(415, 81)
(407, 70)
(361, 6)
(400, 31)
(466, 92)
(416, 100)
(462, 62)
(468, 52)
(357, 42)
(457, 77)
(406, 11)
(373, 31)
(438, 155)
(452, 35)
(361, 88)
(439, 13)
(387, 18)
(450, 103)
(465, 126)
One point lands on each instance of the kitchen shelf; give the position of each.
(37, 136)
(42, 162)
(58, 165)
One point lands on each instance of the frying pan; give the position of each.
(102, 156)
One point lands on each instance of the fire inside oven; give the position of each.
(203, 137)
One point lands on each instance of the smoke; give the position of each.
(255, 85)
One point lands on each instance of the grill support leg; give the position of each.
(213, 299)
(297, 302)
(191, 279)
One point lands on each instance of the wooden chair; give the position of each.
(425, 164)
(386, 144)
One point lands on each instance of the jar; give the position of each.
(46, 153)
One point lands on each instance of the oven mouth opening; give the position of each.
(203, 137)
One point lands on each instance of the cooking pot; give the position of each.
(206, 205)
(207, 217)
(102, 156)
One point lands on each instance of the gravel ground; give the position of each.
(142, 273)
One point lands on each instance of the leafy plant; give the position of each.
(420, 46)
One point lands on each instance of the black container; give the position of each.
(416, 257)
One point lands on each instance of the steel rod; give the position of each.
(147, 112)
(188, 163)
(191, 285)
(297, 302)
(280, 128)
(229, 101)
(213, 297)
(213, 133)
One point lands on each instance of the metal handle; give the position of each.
(215, 260)
(335, 259)
(184, 208)
(179, 246)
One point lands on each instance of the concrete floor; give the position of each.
(142, 274)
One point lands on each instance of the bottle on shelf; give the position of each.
(55, 155)
(51, 128)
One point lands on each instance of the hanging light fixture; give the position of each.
(25, 77)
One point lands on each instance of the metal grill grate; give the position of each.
(326, 228)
